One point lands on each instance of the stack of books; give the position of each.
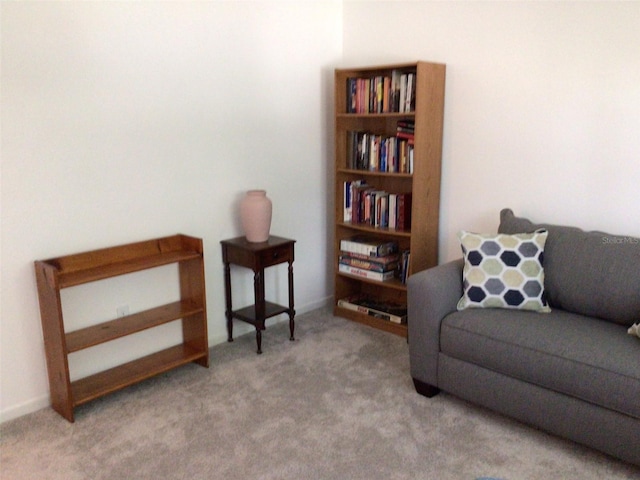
(369, 258)
(386, 310)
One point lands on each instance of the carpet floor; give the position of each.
(338, 403)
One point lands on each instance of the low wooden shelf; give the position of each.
(54, 274)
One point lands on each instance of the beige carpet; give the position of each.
(338, 403)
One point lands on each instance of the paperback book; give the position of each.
(376, 264)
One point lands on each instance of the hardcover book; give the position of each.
(368, 274)
(366, 245)
(385, 264)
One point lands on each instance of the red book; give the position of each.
(404, 211)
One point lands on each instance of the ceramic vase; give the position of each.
(255, 215)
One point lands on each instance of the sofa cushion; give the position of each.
(503, 271)
(579, 356)
(590, 273)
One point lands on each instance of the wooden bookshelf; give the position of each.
(423, 182)
(54, 274)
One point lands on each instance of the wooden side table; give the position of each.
(257, 257)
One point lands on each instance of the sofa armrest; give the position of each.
(431, 295)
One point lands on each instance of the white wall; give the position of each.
(542, 105)
(123, 121)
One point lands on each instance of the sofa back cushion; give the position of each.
(590, 273)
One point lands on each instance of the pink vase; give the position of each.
(255, 215)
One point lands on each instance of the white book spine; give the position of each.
(359, 272)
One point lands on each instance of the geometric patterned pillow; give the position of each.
(503, 271)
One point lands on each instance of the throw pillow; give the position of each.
(503, 271)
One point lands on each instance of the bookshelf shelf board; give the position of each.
(104, 332)
(369, 116)
(393, 283)
(117, 378)
(375, 230)
(373, 173)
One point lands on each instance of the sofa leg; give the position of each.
(425, 389)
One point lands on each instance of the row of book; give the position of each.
(373, 259)
(382, 93)
(365, 204)
(386, 310)
(382, 153)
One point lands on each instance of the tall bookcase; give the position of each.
(426, 111)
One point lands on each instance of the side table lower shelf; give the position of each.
(248, 314)
(89, 388)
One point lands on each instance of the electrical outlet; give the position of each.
(122, 311)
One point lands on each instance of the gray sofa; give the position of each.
(573, 372)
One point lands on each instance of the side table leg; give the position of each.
(260, 311)
(292, 312)
(259, 340)
(228, 310)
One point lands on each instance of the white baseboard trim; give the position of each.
(25, 408)
(44, 401)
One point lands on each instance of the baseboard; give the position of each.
(25, 408)
(44, 401)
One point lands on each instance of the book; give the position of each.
(384, 260)
(389, 263)
(390, 311)
(362, 151)
(410, 93)
(403, 92)
(368, 274)
(352, 149)
(349, 185)
(380, 207)
(393, 210)
(351, 95)
(403, 219)
(367, 245)
(394, 99)
(406, 129)
(403, 267)
(358, 197)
